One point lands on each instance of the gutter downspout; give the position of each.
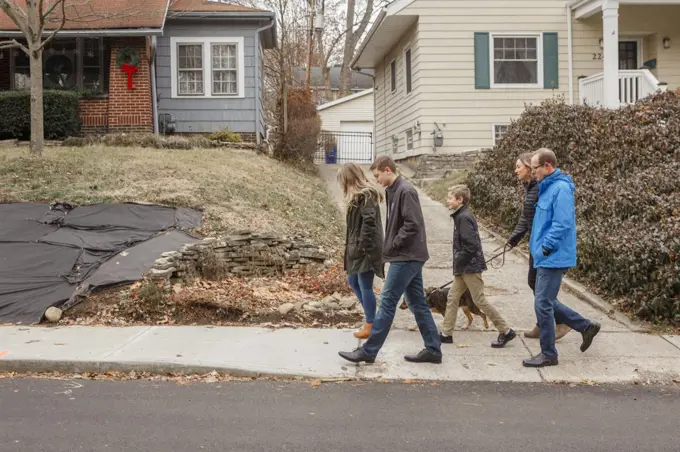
(154, 98)
(373, 139)
(258, 79)
(570, 47)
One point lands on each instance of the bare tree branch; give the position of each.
(13, 44)
(61, 25)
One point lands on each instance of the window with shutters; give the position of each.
(516, 61)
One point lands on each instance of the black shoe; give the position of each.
(589, 334)
(425, 356)
(540, 360)
(357, 355)
(445, 339)
(503, 339)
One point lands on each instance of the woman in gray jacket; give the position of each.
(364, 239)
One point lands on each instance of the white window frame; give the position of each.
(539, 57)
(493, 130)
(409, 139)
(207, 43)
(406, 68)
(393, 73)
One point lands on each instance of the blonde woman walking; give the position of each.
(364, 239)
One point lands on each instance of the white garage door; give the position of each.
(355, 143)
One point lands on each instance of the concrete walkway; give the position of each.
(617, 355)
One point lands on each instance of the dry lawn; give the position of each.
(237, 189)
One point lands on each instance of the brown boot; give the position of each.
(561, 330)
(533, 334)
(364, 331)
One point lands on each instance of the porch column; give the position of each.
(610, 56)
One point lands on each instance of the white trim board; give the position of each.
(207, 65)
(342, 100)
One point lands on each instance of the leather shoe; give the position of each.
(504, 338)
(425, 356)
(358, 355)
(445, 339)
(540, 360)
(589, 334)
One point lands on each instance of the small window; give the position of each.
(409, 139)
(407, 64)
(224, 69)
(393, 75)
(499, 132)
(395, 144)
(515, 60)
(190, 69)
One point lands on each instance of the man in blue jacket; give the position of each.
(553, 248)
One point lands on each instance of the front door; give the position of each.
(628, 55)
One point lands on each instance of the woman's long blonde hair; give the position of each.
(353, 182)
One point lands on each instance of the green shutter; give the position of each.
(482, 68)
(551, 64)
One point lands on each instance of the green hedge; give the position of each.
(61, 110)
(626, 167)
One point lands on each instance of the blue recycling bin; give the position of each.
(332, 155)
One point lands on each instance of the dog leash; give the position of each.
(502, 253)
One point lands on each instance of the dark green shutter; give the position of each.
(551, 63)
(482, 64)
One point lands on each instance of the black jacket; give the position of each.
(364, 239)
(528, 210)
(405, 238)
(468, 256)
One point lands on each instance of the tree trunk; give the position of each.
(345, 72)
(37, 111)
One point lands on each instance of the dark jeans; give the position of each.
(362, 286)
(549, 310)
(403, 278)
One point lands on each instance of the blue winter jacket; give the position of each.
(554, 227)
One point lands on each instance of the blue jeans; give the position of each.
(362, 286)
(549, 309)
(403, 278)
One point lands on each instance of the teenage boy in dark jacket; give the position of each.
(405, 249)
(468, 265)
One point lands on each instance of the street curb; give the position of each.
(100, 367)
(583, 294)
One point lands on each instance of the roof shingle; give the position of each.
(99, 14)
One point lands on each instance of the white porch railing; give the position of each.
(633, 86)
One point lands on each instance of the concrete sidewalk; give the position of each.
(614, 356)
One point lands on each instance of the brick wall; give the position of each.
(130, 110)
(124, 110)
(4, 70)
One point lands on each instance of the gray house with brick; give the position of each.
(199, 64)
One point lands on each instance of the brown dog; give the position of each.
(436, 299)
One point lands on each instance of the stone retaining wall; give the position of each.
(241, 254)
(438, 166)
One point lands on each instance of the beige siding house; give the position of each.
(450, 75)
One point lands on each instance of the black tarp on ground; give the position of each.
(48, 253)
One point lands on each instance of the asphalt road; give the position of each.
(54, 415)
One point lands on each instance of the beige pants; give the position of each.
(475, 283)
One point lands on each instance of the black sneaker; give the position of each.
(589, 334)
(540, 360)
(503, 339)
(445, 339)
